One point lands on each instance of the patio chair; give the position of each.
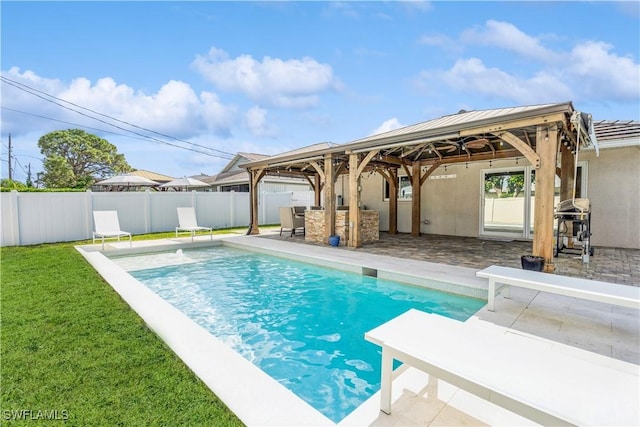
(187, 223)
(107, 226)
(290, 221)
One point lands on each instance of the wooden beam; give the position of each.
(546, 148)
(521, 146)
(318, 191)
(355, 238)
(567, 173)
(433, 149)
(256, 175)
(515, 124)
(429, 171)
(318, 169)
(415, 199)
(413, 150)
(391, 176)
(370, 155)
(329, 198)
(502, 154)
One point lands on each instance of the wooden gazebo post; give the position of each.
(329, 197)
(546, 148)
(391, 176)
(256, 176)
(415, 199)
(317, 190)
(567, 173)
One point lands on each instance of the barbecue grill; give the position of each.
(574, 224)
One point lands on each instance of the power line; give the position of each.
(73, 124)
(43, 95)
(143, 138)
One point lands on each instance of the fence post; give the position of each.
(262, 202)
(232, 208)
(147, 211)
(88, 212)
(15, 218)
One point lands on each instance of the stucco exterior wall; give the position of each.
(614, 191)
(451, 198)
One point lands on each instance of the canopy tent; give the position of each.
(185, 183)
(127, 181)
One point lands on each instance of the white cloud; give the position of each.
(471, 75)
(590, 71)
(387, 126)
(417, 5)
(256, 122)
(175, 109)
(293, 83)
(600, 73)
(507, 36)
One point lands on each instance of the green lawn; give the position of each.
(69, 344)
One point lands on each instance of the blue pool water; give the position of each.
(302, 324)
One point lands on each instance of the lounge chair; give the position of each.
(107, 226)
(290, 221)
(187, 223)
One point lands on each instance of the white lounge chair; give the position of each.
(107, 226)
(187, 222)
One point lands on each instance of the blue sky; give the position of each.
(269, 77)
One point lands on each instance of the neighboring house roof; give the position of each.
(241, 158)
(200, 177)
(233, 174)
(617, 133)
(239, 175)
(154, 176)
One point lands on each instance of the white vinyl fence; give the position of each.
(31, 218)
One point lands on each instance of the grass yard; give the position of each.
(72, 349)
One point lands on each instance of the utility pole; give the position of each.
(9, 159)
(29, 183)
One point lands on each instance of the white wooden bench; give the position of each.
(547, 382)
(611, 293)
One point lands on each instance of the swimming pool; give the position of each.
(302, 324)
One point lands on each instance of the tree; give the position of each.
(76, 159)
(12, 184)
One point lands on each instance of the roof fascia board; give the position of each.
(520, 123)
(460, 127)
(615, 143)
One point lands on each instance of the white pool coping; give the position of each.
(255, 397)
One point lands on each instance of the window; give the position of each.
(404, 188)
(239, 188)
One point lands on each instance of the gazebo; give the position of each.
(548, 136)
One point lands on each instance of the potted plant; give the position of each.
(531, 262)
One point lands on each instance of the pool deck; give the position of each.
(608, 330)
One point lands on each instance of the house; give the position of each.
(235, 178)
(554, 151)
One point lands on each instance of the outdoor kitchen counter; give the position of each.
(314, 226)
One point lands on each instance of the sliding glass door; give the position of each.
(508, 200)
(505, 207)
